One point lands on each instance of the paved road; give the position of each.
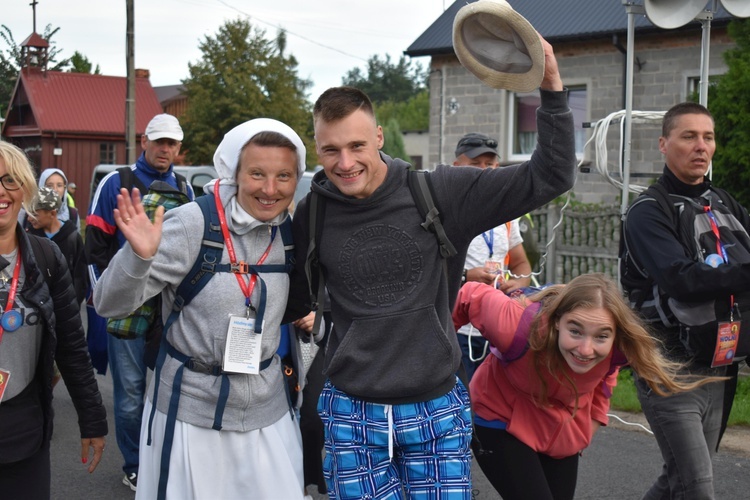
(620, 464)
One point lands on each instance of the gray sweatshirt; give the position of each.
(255, 401)
(393, 339)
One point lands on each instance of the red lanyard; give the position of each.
(719, 247)
(13, 288)
(715, 229)
(238, 267)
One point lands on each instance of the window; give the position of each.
(694, 86)
(107, 153)
(416, 162)
(522, 123)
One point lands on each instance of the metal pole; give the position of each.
(632, 10)
(705, 18)
(130, 96)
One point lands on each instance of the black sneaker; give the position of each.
(130, 480)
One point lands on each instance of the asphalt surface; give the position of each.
(620, 464)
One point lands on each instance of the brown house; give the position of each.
(173, 99)
(73, 121)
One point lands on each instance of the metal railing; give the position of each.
(586, 241)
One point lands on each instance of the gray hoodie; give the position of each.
(393, 339)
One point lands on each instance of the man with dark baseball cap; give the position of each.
(477, 150)
(496, 251)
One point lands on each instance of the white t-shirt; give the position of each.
(479, 252)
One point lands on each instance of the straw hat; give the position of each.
(499, 46)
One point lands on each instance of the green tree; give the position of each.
(11, 61)
(388, 81)
(81, 64)
(729, 102)
(393, 141)
(412, 114)
(242, 75)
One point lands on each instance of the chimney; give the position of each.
(142, 73)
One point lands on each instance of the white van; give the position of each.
(197, 176)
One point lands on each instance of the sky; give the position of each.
(327, 37)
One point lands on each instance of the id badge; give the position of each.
(243, 347)
(727, 339)
(4, 377)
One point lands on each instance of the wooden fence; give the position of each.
(587, 240)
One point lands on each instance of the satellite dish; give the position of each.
(738, 8)
(670, 14)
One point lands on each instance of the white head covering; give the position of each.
(63, 213)
(227, 156)
(227, 159)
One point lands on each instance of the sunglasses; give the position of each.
(476, 142)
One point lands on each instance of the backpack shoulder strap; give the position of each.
(421, 189)
(286, 237)
(181, 183)
(660, 194)
(314, 272)
(128, 180)
(44, 256)
(205, 265)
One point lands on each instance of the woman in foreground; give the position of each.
(40, 324)
(545, 391)
(258, 451)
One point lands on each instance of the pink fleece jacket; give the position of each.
(505, 392)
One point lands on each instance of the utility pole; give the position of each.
(130, 97)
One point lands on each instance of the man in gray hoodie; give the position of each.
(395, 415)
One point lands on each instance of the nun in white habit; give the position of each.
(258, 451)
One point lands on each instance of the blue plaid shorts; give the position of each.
(431, 447)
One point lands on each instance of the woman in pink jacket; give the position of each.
(545, 391)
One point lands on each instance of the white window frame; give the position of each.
(510, 107)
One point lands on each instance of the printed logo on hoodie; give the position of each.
(381, 265)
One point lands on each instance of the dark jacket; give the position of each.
(63, 340)
(69, 240)
(655, 242)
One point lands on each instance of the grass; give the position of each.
(624, 398)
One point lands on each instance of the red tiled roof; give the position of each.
(83, 103)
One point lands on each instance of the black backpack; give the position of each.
(129, 180)
(697, 322)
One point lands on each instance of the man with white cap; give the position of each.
(161, 145)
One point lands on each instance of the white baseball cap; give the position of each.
(164, 126)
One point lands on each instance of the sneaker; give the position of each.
(130, 480)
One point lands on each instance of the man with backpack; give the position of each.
(396, 418)
(161, 145)
(685, 266)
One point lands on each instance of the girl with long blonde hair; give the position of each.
(541, 396)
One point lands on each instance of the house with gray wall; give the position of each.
(590, 39)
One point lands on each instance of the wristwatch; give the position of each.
(463, 277)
